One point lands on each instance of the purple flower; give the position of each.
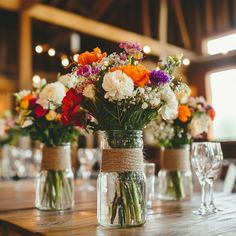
(131, 48)
(96, 70)
(85, 71)
(159, 77)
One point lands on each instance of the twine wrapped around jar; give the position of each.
(56, 158)
(175, 159)
(122, 159)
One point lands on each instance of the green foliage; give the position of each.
(172, 63)
(51, 133)
(123, 116)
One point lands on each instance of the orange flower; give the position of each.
(25, 101)
(90, 57)
(211, 113)
(138, 74)
(184, 113)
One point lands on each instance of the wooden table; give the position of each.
(19, 217)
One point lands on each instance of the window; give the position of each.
(221, 90)
(220, 44)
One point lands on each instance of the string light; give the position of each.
(39, 49)
(186, 61)
(36, 79)
(146, 49)
(75, 57)
(65, 61)
(51, 52)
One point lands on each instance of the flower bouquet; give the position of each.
(8, 128)
(40, 117)
(116, 94)
(192, 122)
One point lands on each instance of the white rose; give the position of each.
(89, 92)
(170, 108)
(117, 85)
(40, 84)
(51, 96)
(69, 80)
(199, 124)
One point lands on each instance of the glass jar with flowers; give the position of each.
(40, 117)
(9, 133)
(120, 97)
(175, 136)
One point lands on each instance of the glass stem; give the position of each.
(211, 192)
(203, 203)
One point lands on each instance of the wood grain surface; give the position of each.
(19, 217)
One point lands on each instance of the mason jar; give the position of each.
(121, 183)
(55, 181)
(174, 181)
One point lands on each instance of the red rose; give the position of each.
(39, 111)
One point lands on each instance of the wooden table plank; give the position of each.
(165, 218)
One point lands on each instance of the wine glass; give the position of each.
(87, 159)
(202, 156)
(217, 163)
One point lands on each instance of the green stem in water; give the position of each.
(177, 182)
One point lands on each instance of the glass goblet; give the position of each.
(213, 174)
(202, 156)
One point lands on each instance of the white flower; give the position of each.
(40, 84)
(22, 94)
(199, 124)
(144, 106)
(170, 108)
(27, 123)
(117, 85)
(69, 80)
(51, 96)
(89, 92)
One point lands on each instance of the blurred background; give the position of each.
(40, 38)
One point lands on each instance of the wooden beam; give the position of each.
(163, 24)
(101, 30)
(163, 21)
(99, 8)
(11, 5)
(25, 4)
(197, 30)
(25, 53)
(209, 17)
(146, 25)
(234, 11)
(222, 20)
(182, 24)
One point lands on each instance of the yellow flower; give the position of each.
(52, 115)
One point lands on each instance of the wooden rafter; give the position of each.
(11, 5)
(146, 24)
(222, 22)
(209, 16)
(99, 8)
(25, 53)
(234, 11)
(163, 24)
(101, 30)
(182, 24)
